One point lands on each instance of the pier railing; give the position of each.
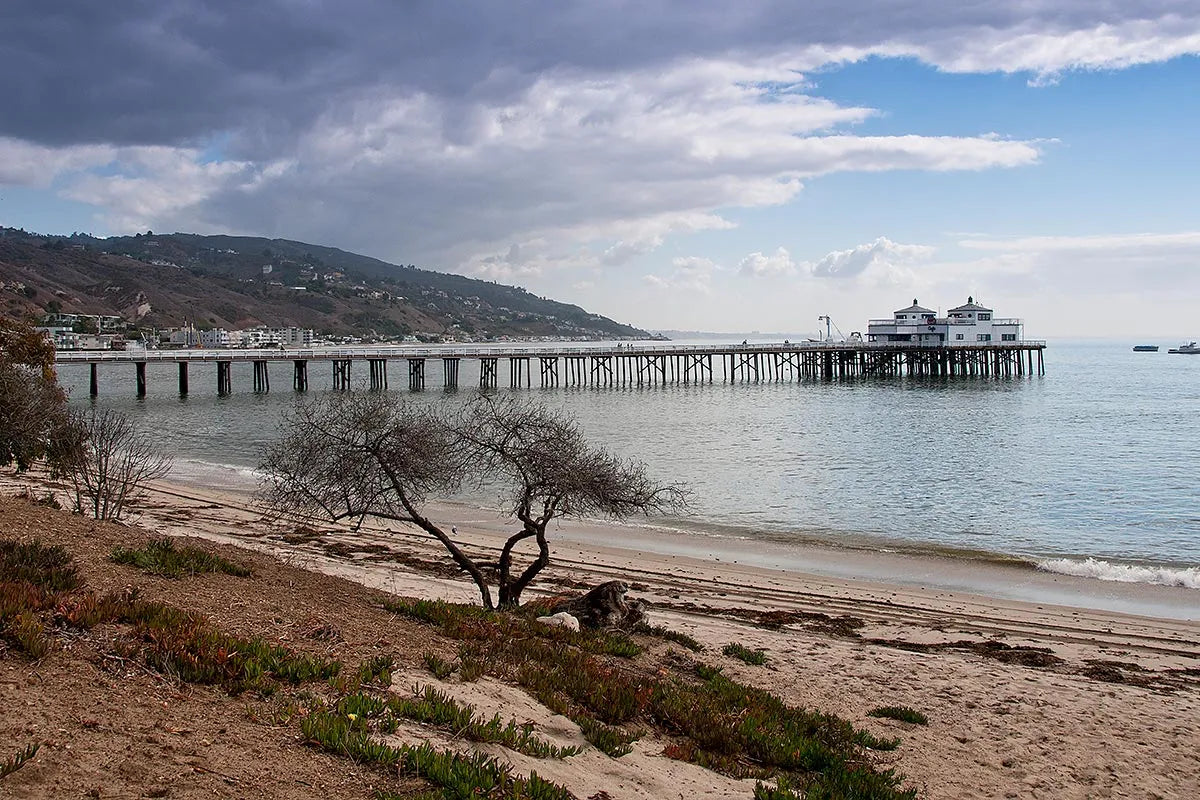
(197, 354)
(599, 365)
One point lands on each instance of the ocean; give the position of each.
(1091, 470)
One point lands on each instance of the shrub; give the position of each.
(162, 557)
(754, 657)
(48, 567)
(459, 776)
(440, 667)
(671, 636)
(901, 713)
(611, 741)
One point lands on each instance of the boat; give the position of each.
(1186, 349)
(1145, 348)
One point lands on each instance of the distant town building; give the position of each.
(254, 338)
(68, 339)
(968, 323)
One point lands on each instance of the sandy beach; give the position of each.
(1027, 697)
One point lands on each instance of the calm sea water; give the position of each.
(1092, 469)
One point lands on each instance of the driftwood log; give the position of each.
(605, 606)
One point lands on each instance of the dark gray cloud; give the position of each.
(178, 71)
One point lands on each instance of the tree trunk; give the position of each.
(510, 591)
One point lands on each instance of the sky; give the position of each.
(674, 164)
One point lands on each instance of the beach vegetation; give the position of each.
(708, 718)
(900, 713)
(439, 667)
(47, 567)
(163, 557)
(436, 709)
(677, 637)
(608, 739)
(756, 657)
(353, 456)
(112, 463)
(457, 775)
(18, 759)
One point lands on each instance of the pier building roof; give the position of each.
(970, 305)
(916, 309)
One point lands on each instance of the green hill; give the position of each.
(163, 280)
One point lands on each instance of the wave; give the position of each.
(208, 473)
(1188, 577)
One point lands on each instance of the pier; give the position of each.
(595, 365)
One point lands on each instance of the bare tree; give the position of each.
(347, 457)
(112, 464)
(544, 468)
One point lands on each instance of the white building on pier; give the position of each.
(967, 324)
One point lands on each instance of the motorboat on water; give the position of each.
(1186, 349)
(1145, 348)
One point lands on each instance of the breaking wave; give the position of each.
(1188, 577)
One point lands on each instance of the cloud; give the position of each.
(614, 165)
(1069, 266)
(272, 67)
(586, 134)
(779, 263)
(690, 274)
(882, 256)
(28, 164)
(1142, 242)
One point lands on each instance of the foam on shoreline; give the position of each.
(1188, 577)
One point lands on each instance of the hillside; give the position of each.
(236, 282)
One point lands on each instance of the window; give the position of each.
(958, 336)
(985, 337)
(982, 315)
(1008, 337)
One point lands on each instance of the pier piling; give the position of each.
(262, 380)
(341, 374)
(416, 374)
(300, 375)
(224, 377)
(379, 379)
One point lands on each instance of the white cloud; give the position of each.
(689, 274)
(27, 164)
(1187, 240)
(777, 264)
(882, 257)
(602, 168)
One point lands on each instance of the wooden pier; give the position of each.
(597, 366)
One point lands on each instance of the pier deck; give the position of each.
(600, 365)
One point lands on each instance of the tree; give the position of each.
(544, 468)
(112, 463)
(34, 422)
(347, 457)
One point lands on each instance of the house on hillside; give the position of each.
(970, 323)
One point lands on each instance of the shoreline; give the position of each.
(955, 570)
(1071, 581)
(920, 583)
(982, 576)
